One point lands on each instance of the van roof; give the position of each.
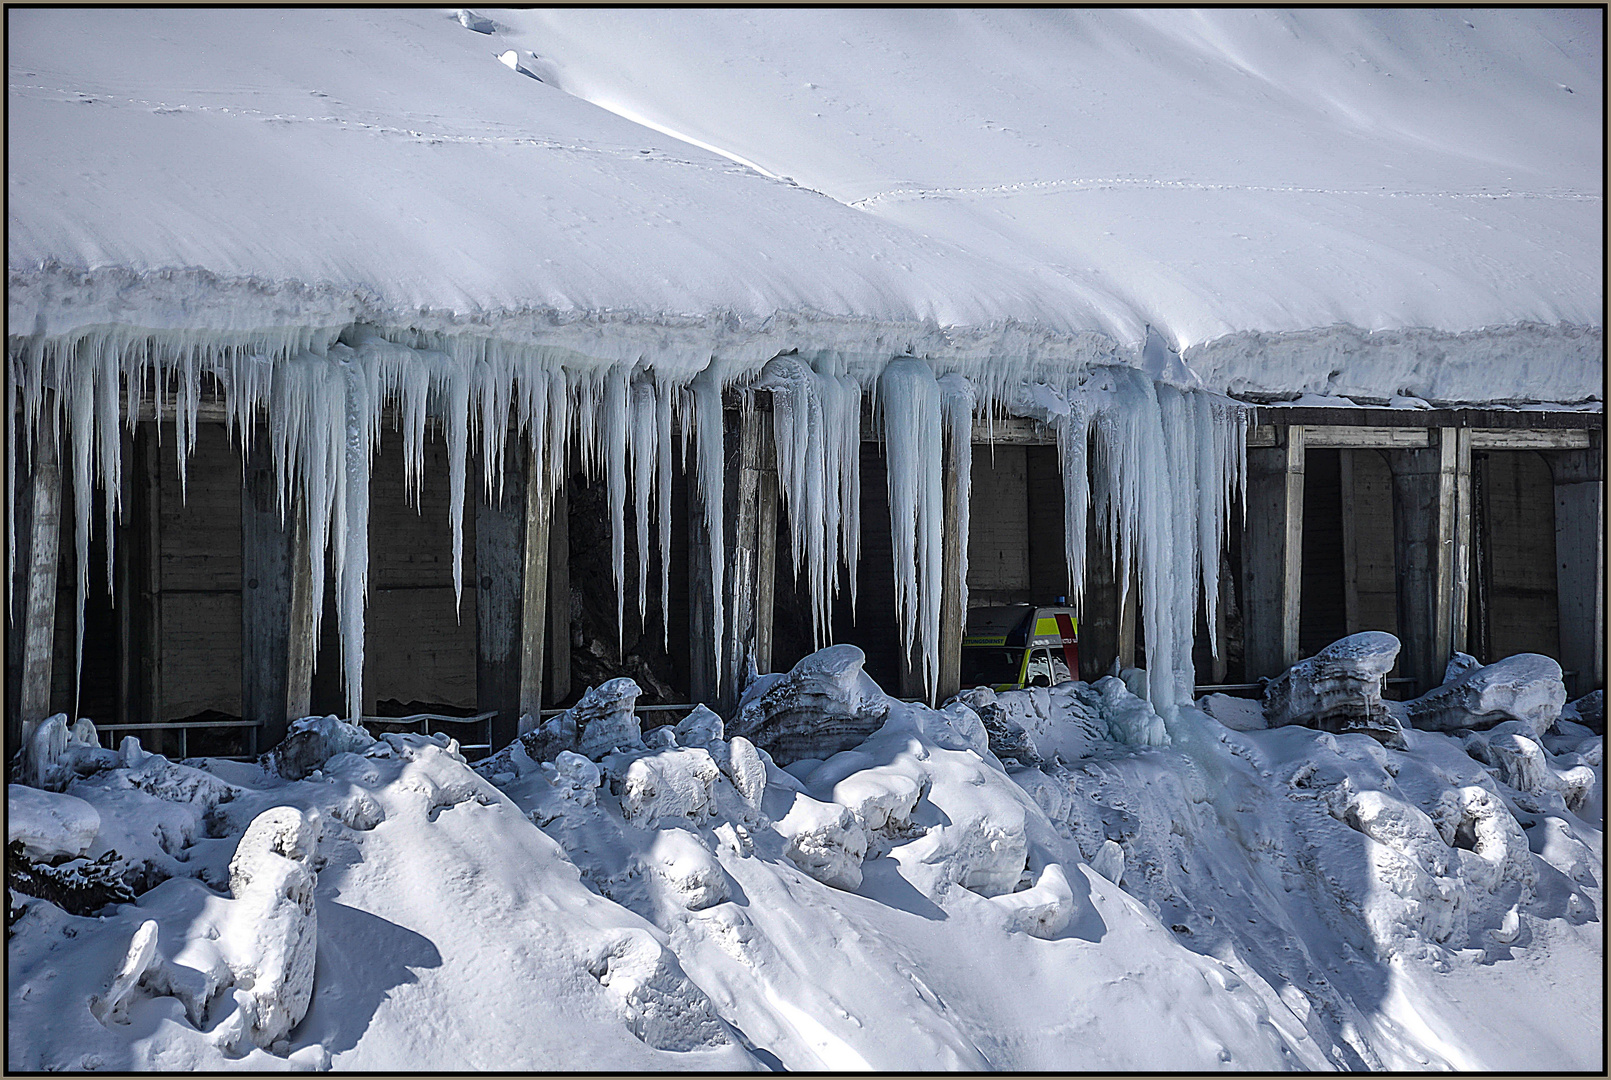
(1019, 625)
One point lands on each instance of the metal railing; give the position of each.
(183, 727)
(424, 720)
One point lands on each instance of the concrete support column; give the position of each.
(1432, 540)
(276, 603)
(511, 573)
(1272, 554)
(33, 585)
(1580, 564)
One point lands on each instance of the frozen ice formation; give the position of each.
(661, 1005)
(273, 931)
(111, 1006)
(1043, 909)
(1513, 751)
(1526, 687)
(688, 868)
(1160, 466)
(314, 740)
(1130, 719)
(49, 824)
(826, 703)
(1007, 738)
(1339, 689)
(56, 753)
(699, 727)
(823, 839)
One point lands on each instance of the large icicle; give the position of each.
(706, 391)
(909, 401)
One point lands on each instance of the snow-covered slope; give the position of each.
(1213, 174)
(1244, 899)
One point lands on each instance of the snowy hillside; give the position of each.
(1228, 897)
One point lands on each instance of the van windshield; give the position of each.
(990, 666)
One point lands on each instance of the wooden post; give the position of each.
(750, 491)
(559, 593)
(537, 513)
(952, 617)
(499, 565)
(1350, 544)
(301, 649)
(39, 502)
(276, 604)
(1129, 615)
(702, 663)
(1431, 496)
(1272, 554)
(146, 556)
(1580, 564)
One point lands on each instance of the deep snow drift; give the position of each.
(1172, 894)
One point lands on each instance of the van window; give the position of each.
(990, 666)
(1040, 669)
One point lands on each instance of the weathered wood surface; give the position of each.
(558, 674)
(1272, 550)
(1431, 494)
(39, 501)
(1580, 564)
(537, 515)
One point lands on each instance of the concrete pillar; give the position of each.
(33, 592)
(276, 653)
(1580, 564)
(1272, 554)
(1432, 538)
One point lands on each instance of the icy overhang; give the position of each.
(1398, 203)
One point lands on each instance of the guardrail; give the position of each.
(184, 727)
(424, 720)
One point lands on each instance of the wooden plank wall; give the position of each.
(1519, 554)
(998, 527)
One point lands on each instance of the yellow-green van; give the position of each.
(1008, 648)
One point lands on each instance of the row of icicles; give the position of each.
(1160, 465)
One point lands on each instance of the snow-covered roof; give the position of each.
(1225, 176)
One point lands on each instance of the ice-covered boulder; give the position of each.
(314, 740)
(1515, 755)
(1526, 687)
(1006, 736)
(1589, 710)
(272, 933)
(826, 703)
(1460, 664)
(1339, 689)
(699, 727)
(49, 825)
(601, 721)
(668, 785)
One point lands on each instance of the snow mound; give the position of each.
(47, 824)
(1526, 687)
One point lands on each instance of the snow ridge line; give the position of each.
(165, 108)
(1103, 183)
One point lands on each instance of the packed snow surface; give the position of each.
(1262, 899)
(979, 182)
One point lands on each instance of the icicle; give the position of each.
(910, 400)
(664, 394)
(617, 406)
(707, 398)
(645, 428)
(80, 390)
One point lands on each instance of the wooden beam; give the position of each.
(1432, 536)
(499, 566)
(1272, 555)
(1350, 545)
(146, 552)
(750, 493)
(276, 602)
(1521, 439)
(1579, 479)
(537, 514)
(39, 548)
(558, 680)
